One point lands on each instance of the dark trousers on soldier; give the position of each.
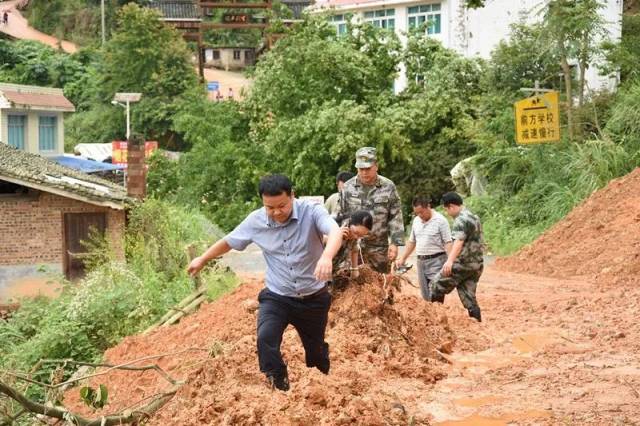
(465, 281)
(308, 316)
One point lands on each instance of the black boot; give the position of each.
(475, 313)
(279, 381)
(325, 365)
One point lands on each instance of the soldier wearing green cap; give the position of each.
(378, 195)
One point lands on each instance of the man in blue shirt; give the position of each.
(290, 233)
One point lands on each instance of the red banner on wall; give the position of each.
(119, 151)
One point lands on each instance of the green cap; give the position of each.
(365, 157)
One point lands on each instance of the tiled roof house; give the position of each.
(47, 210)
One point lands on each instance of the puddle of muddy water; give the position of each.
(478, 402)
(527, 343)
(504, 420)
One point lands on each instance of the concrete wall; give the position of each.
(32, 228)
(226, 60)
(31, 131)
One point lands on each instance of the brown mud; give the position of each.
(557, 346)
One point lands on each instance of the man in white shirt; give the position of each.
(431, 238)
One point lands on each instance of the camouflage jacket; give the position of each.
(467, 227)
(383, 202)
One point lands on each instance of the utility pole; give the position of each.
(102, 20)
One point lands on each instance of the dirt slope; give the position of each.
(599, 240)
(376, 350)
(18, 27)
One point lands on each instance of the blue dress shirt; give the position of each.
(291, 249)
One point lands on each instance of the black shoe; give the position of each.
(475, 313)
(437, 298)
(280, 382)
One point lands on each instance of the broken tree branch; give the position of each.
(126, 364)
(63, 414)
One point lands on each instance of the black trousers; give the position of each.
(308, 316)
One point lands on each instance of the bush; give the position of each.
(624, 123)
(533, 187)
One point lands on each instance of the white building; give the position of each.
(32, 118)
(472, 32)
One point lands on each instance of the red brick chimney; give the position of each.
(136, 173)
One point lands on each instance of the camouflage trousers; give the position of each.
(377, 257)
(465, 280)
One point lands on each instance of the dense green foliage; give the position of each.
(116, 299)
(623, 56)
(160, 69)
(31, 62)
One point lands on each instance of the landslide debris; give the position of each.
(598, 240)
(384, 351)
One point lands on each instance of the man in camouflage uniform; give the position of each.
(464, 264)
(378, 195)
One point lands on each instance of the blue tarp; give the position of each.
(84, 165)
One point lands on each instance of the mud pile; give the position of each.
(599, 240)
(384, 352)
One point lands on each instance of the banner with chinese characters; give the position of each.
(538, 119)
(119, 151)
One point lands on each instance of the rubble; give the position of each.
(377, 343)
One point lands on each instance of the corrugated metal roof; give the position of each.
(35, 171)
(174, 10)
(21, 96)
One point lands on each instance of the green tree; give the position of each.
(522, 59)
(144, 55)
(625, 55)
(309, 67)
(574, 28)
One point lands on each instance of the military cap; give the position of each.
(365, 157)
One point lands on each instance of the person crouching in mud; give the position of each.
(357, 226)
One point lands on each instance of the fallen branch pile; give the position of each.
(130, 415)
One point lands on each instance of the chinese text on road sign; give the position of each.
(538, 119)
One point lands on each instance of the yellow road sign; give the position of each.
(538, 119)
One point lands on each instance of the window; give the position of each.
(215, 54)
(381, 18)
(426, 13)
(16, 127)
(47, 133)
(236, 55)
(339, 21)
(248, 56)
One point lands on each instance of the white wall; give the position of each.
(476, 32)
(487, 26)
(31, 130)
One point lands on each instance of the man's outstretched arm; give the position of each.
(216, 250)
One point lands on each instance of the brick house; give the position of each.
(32, 118)
(46, 210)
